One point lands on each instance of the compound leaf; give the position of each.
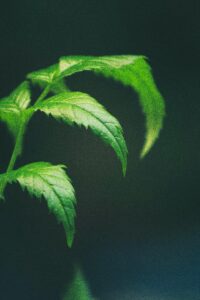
(12, 106)
(80, 108)
(42, 179)
(132, 71)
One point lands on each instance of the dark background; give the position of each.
(138, 237)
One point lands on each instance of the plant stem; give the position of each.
(18, 146)
(26, 116)
(43, 94)
(19, 140)
(16, 152)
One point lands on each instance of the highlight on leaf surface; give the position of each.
(12, 106)
(82, 109)
(132, 71)
(51, 182)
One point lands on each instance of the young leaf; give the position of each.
(132, 71)
(12, 106)
(21, 95)
(80, 108)
(51, 182)
(10, 114)
(49, 76)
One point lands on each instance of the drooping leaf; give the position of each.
(132, 71)
(12, 106)
(80, 108)
(42, 179)
(69, 65)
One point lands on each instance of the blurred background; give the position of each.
(137, 237)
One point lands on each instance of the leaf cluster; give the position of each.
(51, 182)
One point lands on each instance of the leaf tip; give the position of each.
(2, 198)
(70, 238)
(124, 169)
(144, 152)
(151, 138)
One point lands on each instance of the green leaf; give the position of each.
(44, 76)
(69, 65)
(42, 179)
(132, 71)
(49, 76)
(78, 288)
(10, 114)
(59, 86)
(80, 108)
(3, 182)
(21, 95)
(12, 106)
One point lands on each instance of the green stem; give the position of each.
(18, 145)
(19, 140)
(16, 151)
(43, 94)
(26, 116)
